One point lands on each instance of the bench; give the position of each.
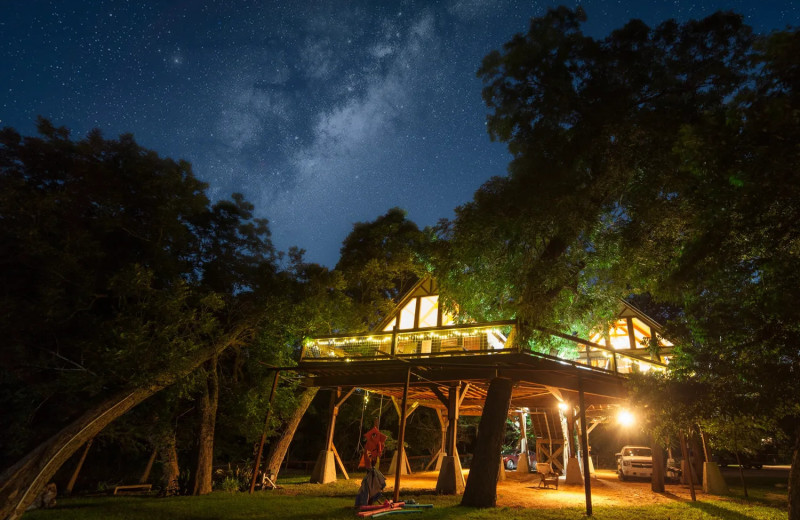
(143, 488)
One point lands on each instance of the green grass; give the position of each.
(300, 500)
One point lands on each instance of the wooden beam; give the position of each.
(463, 392)
(339, 461)
(411, 408)
(556, 393)
(343, 399)
(438, 393)
(401, 438)
(631, 333)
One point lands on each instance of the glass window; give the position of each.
(428, 311)
(390, 326)
(407, 315)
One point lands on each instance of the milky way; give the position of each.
(322, 115)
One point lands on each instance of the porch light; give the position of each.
(563, 406)
(626, 418)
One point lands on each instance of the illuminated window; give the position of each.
(407, 315)
(428, 311)
(390, 326)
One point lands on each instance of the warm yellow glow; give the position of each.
(407, 315)
(626, 418)
(390, 326)
(428, 311)
(562, 406)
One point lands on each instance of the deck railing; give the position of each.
(456, 340)
(451, 340)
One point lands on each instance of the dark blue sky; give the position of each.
(322, 115)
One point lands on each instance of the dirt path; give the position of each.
(522, 491)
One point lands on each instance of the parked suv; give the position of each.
(634, 461)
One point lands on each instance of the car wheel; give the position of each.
(510, 465)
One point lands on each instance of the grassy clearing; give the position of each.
(300, 500)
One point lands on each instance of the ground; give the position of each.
(518, 499)
(523, 491)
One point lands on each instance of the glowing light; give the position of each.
(563, 406)
(626, 418)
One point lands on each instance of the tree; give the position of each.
(105, 300)
(658, 160)
(380, 262)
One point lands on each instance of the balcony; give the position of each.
(465, 340)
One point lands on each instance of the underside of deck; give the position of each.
(540, 381)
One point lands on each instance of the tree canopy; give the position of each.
(655, 160)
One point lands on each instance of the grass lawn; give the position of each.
(299, 500)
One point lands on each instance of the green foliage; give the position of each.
(115, 265)
(380, 261)
(230, 485)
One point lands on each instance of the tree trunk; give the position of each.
(794, 479)
(657, 479)
(22, 482)
(170, 472)
(278, 448)
(208, 418)
(481, 489)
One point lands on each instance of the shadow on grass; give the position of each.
(673, 496)
(718, 512)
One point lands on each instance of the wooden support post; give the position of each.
(451, 480)
(631, 334)
(401, 437)
(394, 335)
(452, 420)
(74, 477)
(263, 439)
(587, 481)
(523, 464)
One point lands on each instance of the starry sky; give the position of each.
(323, 113)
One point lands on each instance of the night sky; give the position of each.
(322, 114)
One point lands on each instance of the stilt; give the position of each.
(401, 437)
(257, 462)
(573, 470)
(325, 467)
(451, 479)
(587, 482)
(523, 465)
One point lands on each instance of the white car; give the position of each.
(634, 461)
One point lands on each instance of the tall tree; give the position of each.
(380, 262)
(657, 160)
(104, 301)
